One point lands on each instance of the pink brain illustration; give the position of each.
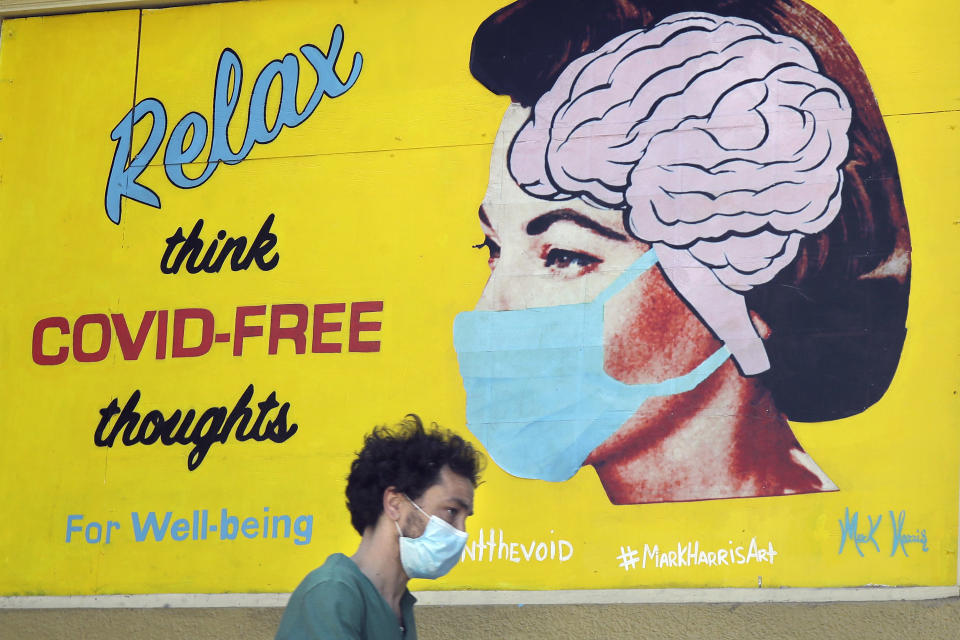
(721, 141)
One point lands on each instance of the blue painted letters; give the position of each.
(848, 531)
(901, 540)
(189, 136)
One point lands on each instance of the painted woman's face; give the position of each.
(545, 253)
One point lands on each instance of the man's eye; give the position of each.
(491, 246)
(562, 259)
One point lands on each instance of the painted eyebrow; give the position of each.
(483, 217)
(542, 222)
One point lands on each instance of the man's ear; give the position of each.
(392, 499)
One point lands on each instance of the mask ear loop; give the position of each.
(430, 518)
(722, 309)
(631, 273)
(396, 523)
(416, 506)
(673, 385)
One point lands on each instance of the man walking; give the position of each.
(409, 493)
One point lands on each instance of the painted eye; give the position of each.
(492, 247)
(563, 259)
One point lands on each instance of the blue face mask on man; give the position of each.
(435, 551)
(538, 397)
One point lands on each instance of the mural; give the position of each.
(696, 336)
(722, 152)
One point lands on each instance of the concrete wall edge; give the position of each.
(453, 598)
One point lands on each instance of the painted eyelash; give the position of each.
(492, 246)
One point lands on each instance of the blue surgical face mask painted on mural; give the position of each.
(537, 395)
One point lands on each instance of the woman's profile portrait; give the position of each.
(695, 233)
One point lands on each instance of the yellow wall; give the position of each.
(374, 198)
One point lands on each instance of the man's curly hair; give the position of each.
(409, 458)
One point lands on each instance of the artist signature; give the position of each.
(850, 531)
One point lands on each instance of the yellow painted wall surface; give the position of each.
(373, 199)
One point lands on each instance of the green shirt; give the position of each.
(339, 602)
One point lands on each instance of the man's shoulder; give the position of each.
(330, 603)
(338, 574)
